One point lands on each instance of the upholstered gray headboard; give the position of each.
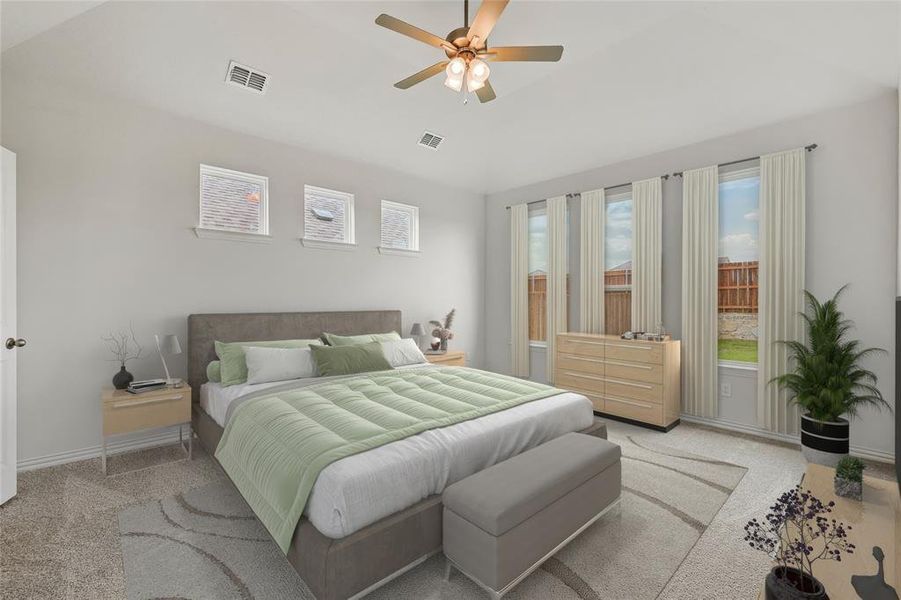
(203, 330)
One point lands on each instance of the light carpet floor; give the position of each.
(60, 537)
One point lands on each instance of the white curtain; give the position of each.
(700, 251)
(519, 289)
(781, 281)
(556, 278)
(647, 249)
(591, 265)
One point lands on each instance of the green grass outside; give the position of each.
(737, 350)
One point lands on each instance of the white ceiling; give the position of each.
(635, 78)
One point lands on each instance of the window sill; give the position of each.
(738, 366)
(233, 236)
(538, 345)
(398, 252)
(323, 245)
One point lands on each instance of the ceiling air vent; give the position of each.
(247, 77)
(431, 140)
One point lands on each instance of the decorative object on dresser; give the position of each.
(417, 333)
(849, 478)
(168, 345)
(442, 331)
(125, 347)
(798, 531)
(126, 413)
(828, 381)
(638, 381)
(451, 358)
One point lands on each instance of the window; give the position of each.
(400, 227)
(538, 258)
(618, 263)
(328, 217)
(231, 201)
(739, 193)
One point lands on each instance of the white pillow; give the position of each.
(402, 352)
(278, 364)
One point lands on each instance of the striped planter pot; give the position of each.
(824, 442)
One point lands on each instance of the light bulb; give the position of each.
(456, 67)
(479, 70)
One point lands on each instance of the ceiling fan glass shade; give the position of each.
(478, 70)
(455, 70)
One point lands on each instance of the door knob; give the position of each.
(14, 343)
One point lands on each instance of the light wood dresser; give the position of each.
(633, 380)
(451, 358)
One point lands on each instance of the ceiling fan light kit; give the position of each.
(467, 50)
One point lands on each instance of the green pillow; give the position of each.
(351, 340)
(232, 362)
(345, 360)
(214, 371)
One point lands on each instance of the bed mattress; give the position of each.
(358, 490)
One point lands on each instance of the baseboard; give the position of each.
(125, 444)
(868, 453)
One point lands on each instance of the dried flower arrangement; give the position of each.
(442, 331)
(796, 533)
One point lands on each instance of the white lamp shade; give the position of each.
(169, 344)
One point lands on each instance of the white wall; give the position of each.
(107, 201)
(851, 235)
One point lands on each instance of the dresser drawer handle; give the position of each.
(624, 401)
(631, 383)
(630, 346)
(572, 341)
(583, 376)
(630, 365)
(147, 401)
(574, 357)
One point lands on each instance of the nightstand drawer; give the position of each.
(161, 409)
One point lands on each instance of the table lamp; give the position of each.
(417, 332)
(168, 345)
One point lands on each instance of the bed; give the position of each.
(375, 514)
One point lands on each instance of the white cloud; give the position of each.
(739, 247)
(752, 216)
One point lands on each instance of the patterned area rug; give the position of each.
(207, 544)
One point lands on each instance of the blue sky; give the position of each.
(739, 219)
(738, 227)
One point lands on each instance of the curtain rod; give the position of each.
(809, 148)
(571, 195)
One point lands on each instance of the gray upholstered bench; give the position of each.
(502, 523)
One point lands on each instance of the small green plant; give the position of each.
(850, 468)
(828, 379)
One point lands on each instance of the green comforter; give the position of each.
(276, 443)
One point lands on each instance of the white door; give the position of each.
(9, 343)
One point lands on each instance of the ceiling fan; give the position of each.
(467, 50)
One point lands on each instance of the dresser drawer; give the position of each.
(635, 352)
(633, 371)
(584, 364)
(574, 380)
(123, 415)
(635, 390)
(568, 344)
(597, 400)
(634, 409)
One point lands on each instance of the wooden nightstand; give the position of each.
(451, 358)
(125, 413)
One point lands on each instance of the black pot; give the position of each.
(122, 379)
(787, 583)
(824, 442)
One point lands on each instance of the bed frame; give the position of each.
(334, 569)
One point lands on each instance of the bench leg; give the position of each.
(447, 568)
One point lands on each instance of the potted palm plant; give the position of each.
(828, 381)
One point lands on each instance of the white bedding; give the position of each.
(361, 489)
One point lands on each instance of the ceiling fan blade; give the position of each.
(486, 93)
(486, 18)
(412, 80)
(523, 53)
(404, 28)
